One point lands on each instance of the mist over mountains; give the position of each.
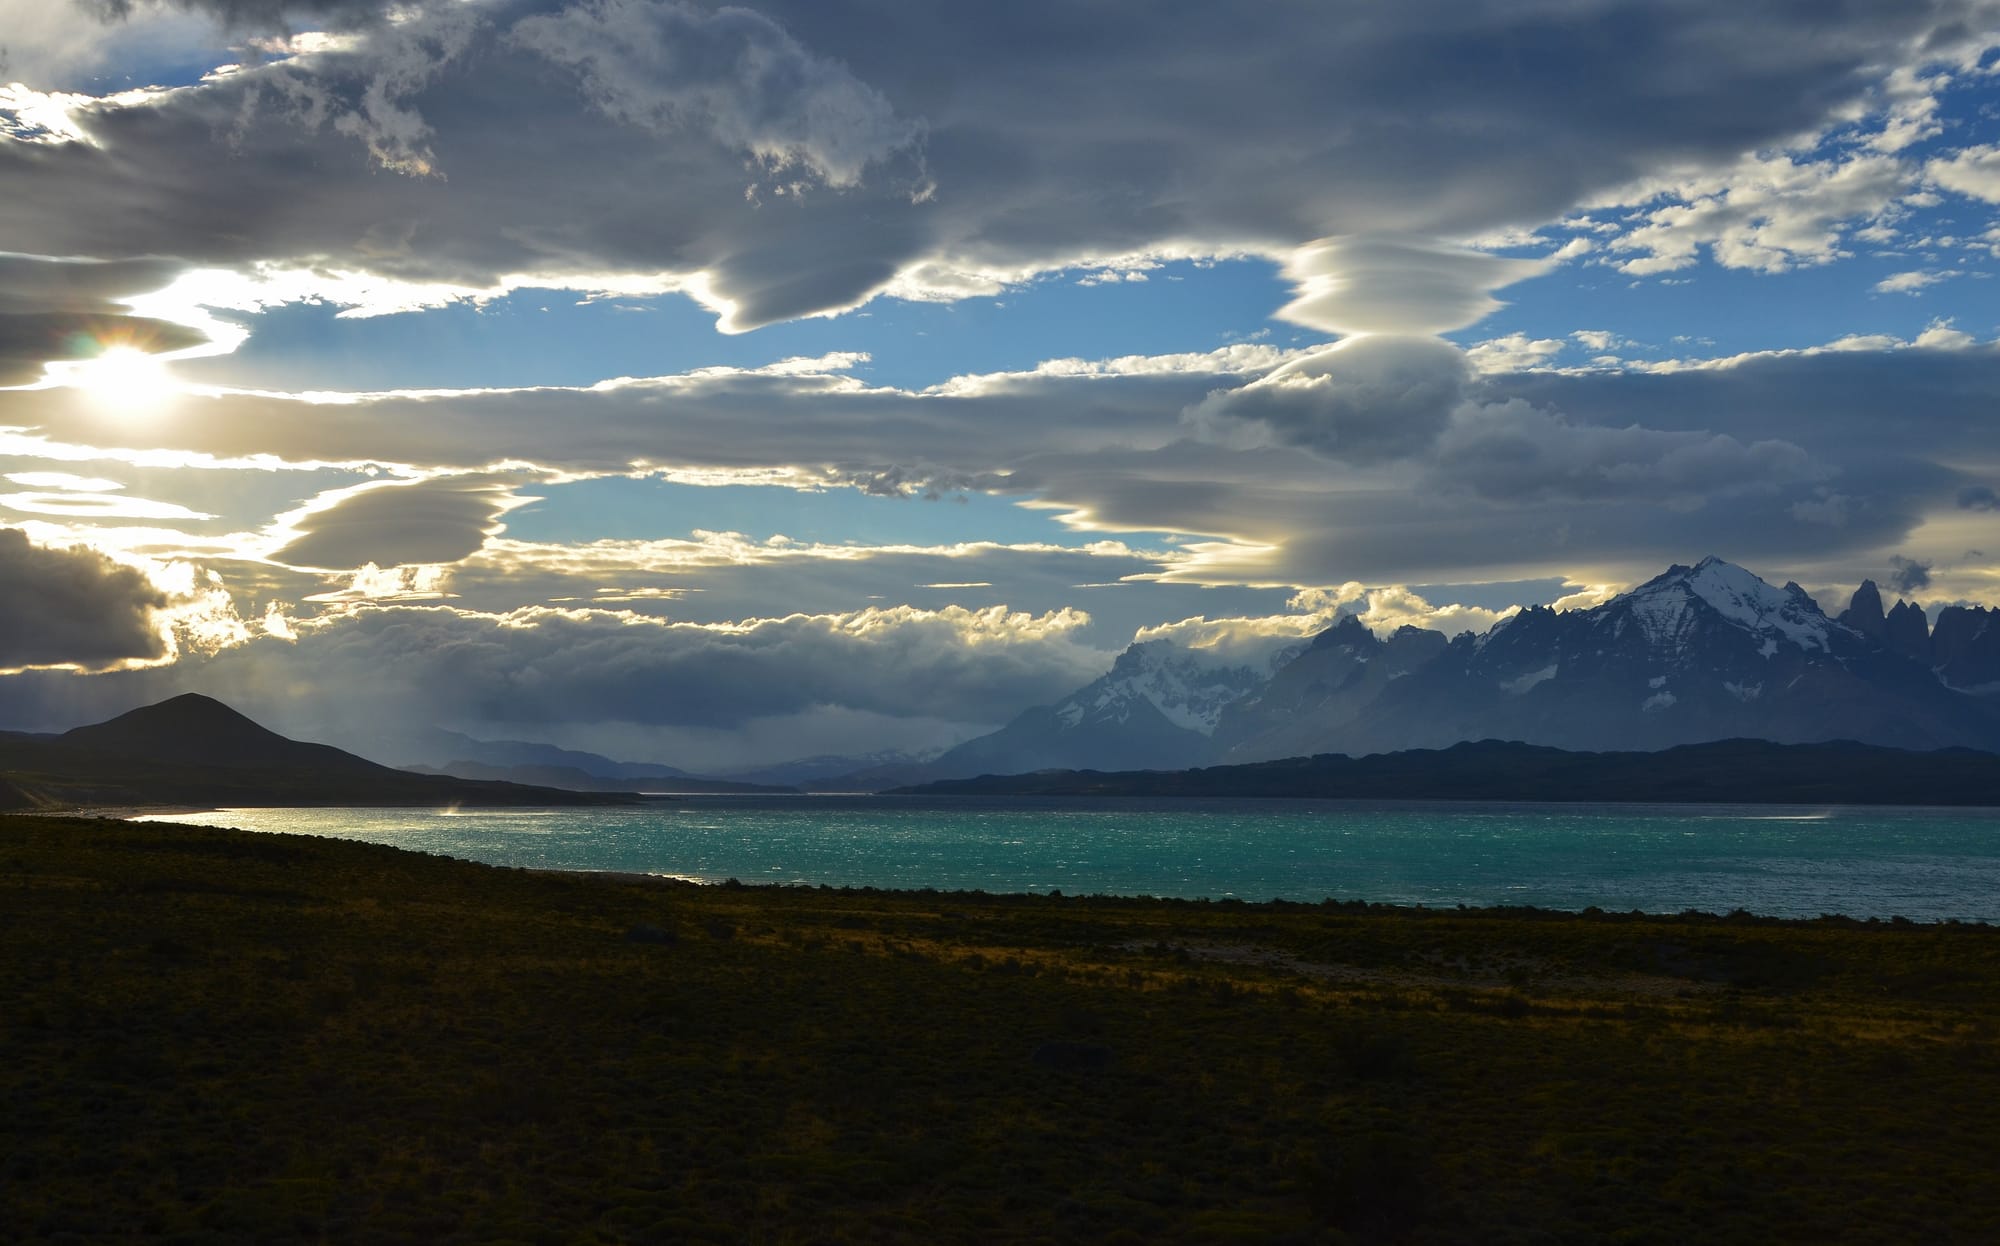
(1697, 654)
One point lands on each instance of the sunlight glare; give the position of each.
(126, 379)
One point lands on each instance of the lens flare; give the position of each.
(124, 379)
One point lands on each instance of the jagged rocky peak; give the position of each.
(1906, 630)
(1408, 646)
(1668, 606)
(1903, 628)
(1959, 628)
(1965, 648)
(1413, 644)
(1864, 610)
(1143, 656)
(1347, 630)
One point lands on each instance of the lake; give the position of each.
(1924, 864)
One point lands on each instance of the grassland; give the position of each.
(214, 1036)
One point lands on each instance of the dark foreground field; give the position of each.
(214, 1036)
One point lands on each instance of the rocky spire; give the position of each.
(1864, 611)
(1908, 632)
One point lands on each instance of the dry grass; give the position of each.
(213, 1036)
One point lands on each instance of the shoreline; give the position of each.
(1280, 896)
(1231, 904)
(121, 813)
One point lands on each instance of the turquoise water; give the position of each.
(1925, 864)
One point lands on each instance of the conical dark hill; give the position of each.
(192, 729)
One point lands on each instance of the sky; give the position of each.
(719, 385)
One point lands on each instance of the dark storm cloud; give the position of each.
(1978, 498)
(881, 138)
(73, 607)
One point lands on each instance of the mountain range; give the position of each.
(1698, 653)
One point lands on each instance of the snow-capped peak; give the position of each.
(1663, 606)
(1189, 686)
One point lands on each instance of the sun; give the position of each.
(124, 378)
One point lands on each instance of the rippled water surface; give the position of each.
(1926, 864)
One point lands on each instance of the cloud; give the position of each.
(87, 504)
(1384, 609)
(1517, 352)
(832, 428)
(74, 607)
(440, 520)
(669, 66)
(1973, 172)
(1364, 401)
(720, 577)
(1396, 285)
(53, 45)
(1594, 475)
(1909, 576)
(256, 14)
(1910, 282)
(1256, 642)
(372, 98)
(359, 676)
(1515, 452)
(63, 310)
(1769, 213)
(942, 148)
(374, 584)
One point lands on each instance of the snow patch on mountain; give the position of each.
(1750, 603)
(1518, 686)
(1188, 686)
(1668, 609)
(1666, 617)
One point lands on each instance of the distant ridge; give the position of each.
(571, 779)
(1841, 772)
(194, 750)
